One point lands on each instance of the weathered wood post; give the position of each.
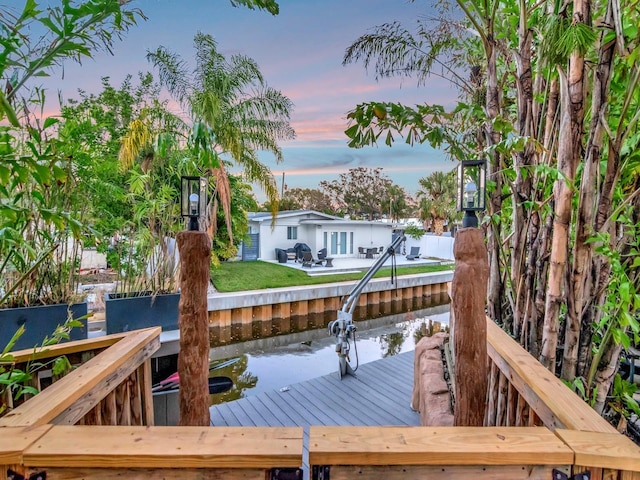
(193, 359)
(195, 260)
(468, 300)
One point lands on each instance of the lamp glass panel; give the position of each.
(202, 195)
(193, 199)
(471, 185)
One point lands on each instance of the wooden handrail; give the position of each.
(602, 450)
(67, 348)
(70, 398)
(14, 440)
(555, 404)
(166, 447)
(436, 446)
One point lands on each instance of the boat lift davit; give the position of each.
(343, 328)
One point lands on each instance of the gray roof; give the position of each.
(266, 216)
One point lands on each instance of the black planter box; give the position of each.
(39, 322)
(131, 311)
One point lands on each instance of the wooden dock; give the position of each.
(379, 395)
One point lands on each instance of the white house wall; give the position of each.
(365, 235)
(277, 238)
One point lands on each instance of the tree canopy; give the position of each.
(549, 95)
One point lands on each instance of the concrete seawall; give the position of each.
(272, 296)
(262, 313)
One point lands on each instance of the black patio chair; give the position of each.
(414, 253)
(309, 261)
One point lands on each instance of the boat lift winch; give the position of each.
(343, 328)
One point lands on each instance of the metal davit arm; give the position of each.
(352, 300)
(343, 328)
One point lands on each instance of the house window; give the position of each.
(292, 233)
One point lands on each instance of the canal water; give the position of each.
(261, 358)
(277, 362)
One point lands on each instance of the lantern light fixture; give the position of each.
(472, 190)
(193, 199)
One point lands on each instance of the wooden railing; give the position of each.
(538, 426)
(111, 387)
(522, 392)
(480, 453)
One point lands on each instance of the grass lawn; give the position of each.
(256, 275)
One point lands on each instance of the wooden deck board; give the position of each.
(342, 402)
(385, 400)
(398, 368)
(229, 417)
(296, 408)
(320, 404)
(263, 415)
(389, 394)
(283, 415)
(379, 395)
(368, 402)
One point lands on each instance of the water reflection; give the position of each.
(277, 362)
(242, 380)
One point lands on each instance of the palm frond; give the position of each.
(174, 73)
(134, 141)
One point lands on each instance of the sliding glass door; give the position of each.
(340, 243)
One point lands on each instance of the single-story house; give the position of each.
(341, 237)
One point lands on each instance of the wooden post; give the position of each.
(193, 359)
(468, 300)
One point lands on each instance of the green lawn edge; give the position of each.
(232, 277)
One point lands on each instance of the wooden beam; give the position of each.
(166, 447)
(13, 440)
(495, 472)
(436, 446)
(68, 348)
(175, 473)
(603, 450)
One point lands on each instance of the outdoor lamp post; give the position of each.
(193, 199)
(467, 324)
(472, 180)
(195, 261)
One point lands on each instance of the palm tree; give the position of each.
(437, 199)
(234, 113)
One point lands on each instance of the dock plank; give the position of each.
(263, 415)
(397, 413)
(296, 408)
(346, 403)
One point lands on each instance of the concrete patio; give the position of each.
(354, 264)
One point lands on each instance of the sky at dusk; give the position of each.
(300, 53)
